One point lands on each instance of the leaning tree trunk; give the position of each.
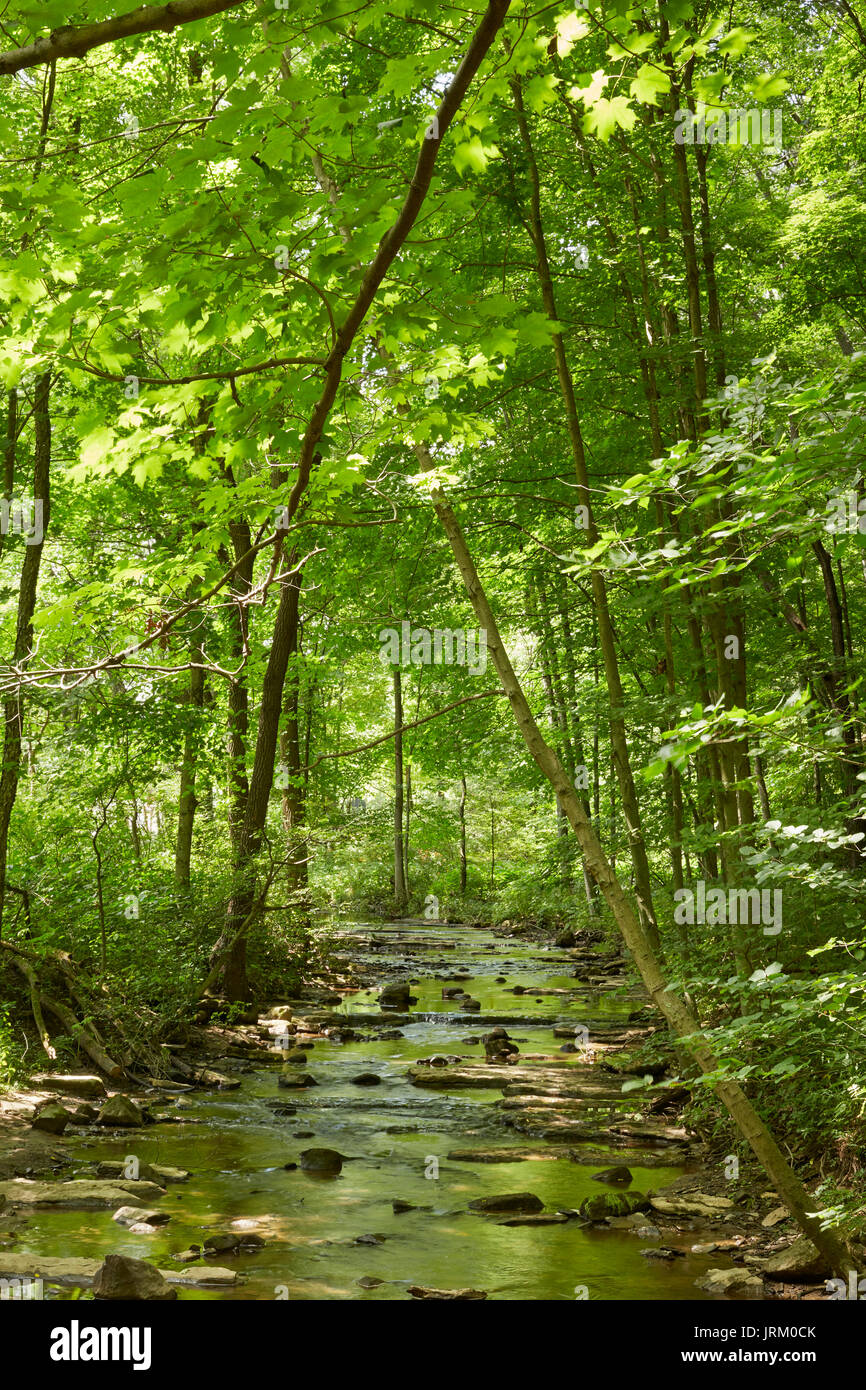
(228, 959)
(789, 1187)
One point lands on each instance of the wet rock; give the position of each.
(734, 1281)
(367, 1078)
(321, 1161)
(367, 1281)
(185, 1257)
(299, 1081)
(801, 1261)
(120, 1110)
(606, 1204)
(453, 992)
(545, 1218)
(470, 1042)
(501, 979)
(279, 1011)
(568, 1047)
(159, 1173)
(396, 996)
(390, 1035)
(398, 1206)
(418, 1291)
(130, 1216)
(51, 1118)
(619, 1174)
(374, 1238)
(305, 1134)
(508, 1202)
(80, 1193)
(470, 1005)
(228, 1242)
(80, 1087)
(296, 1057)
(564, 939)
(120, 1277)
(662, 1252)
(84, 1115)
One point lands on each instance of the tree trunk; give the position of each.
(13, 706)
(406, 829)
(789, 1187)
(462, 837)
(187, 799)
(400, 894)
(295, 792)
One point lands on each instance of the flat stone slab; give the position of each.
(698, 1204)
(159, 1173)
(80, 1192)
(476, 1075)
(80, 1272)
(83, 1087)
(515, 1155)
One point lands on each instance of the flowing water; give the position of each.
(236, 1147)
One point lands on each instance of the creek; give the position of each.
(398, 1137)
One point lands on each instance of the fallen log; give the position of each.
(82, 1036)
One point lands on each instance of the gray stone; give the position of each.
(731, 1281)
(120, 1277)
(120, 1110)
(130, 1216)
(299, 1081)
(52, 1118)
(321, 1161)
(619, 1174)
(508, 1202)
(81, 1087)
(801, 1261)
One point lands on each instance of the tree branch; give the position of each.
(73, 41)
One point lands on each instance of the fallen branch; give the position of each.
(36, 1007)
(82, 1036)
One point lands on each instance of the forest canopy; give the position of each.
(433, 486)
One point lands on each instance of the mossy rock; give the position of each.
(605, 1204)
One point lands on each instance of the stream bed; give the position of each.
(398, 1137)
